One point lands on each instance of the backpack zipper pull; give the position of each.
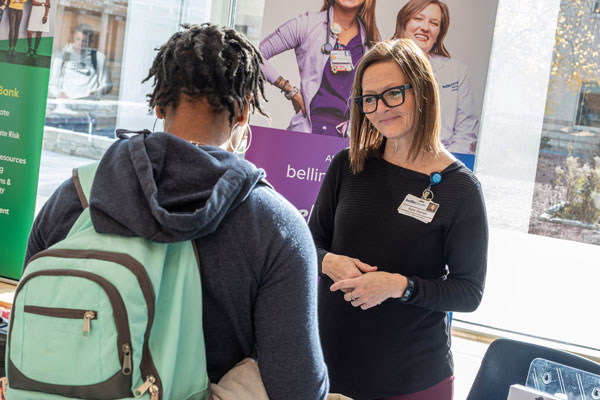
(149, 384)
(126, 359)
(154, 392)
(87, 317)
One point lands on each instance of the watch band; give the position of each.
(408, 292)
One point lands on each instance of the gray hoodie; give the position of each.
(258, 262)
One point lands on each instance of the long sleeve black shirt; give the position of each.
(397, 348)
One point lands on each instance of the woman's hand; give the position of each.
(297, 100)
(340, 268)
(298, 103)
(371, 289)
(45, 19)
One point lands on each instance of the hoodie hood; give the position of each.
(165, 189)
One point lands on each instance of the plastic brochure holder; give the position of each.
(520, 392)
(558, 379)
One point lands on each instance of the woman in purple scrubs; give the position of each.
(328, 46)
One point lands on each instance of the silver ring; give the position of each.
(352, 298)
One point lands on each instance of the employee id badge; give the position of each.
(341, 60)
(417, 208)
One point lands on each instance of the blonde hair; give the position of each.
(366, 14)
(412, 8)
(365, 139)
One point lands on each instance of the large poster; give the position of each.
(310, 59)
(25, 51)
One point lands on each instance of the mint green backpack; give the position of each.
(100, 316)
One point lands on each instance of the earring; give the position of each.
(154, 125)
(247, 136)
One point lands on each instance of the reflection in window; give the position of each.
(86, 65)
(588, 111)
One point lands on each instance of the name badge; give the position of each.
(341, 60)
(417, 208)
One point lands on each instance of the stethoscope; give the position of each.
(327, 47)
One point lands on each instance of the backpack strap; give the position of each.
(83, 177)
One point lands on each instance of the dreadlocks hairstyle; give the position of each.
(208, 61)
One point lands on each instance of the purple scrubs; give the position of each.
(329, 108)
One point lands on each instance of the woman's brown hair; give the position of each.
(366, 14)
(412, 8)
(365, 139)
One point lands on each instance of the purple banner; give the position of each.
(295, 162)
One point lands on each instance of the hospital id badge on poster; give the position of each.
(420, 209)
(341, 60)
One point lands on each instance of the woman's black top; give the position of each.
(397, 348)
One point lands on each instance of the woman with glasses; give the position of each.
(426, 23)
(328, 46)
(401, 233)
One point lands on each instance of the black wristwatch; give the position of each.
(408, 292)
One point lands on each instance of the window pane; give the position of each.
(102, 51)
(248, 18)
(86, 66)
(542, 274)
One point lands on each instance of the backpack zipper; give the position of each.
(87, 317)
(148, 385)
(127, 367)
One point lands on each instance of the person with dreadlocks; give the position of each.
(258, 260)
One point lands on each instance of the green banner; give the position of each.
(23, 92)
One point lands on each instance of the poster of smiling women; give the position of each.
(311, 50)
(26, 28)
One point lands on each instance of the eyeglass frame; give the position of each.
(359, 99)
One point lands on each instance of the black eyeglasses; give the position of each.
(392, 97)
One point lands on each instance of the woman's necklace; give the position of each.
(337, 28)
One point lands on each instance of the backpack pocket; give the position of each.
(66, 313)
(72, 345)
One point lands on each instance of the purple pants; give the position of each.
(442, 391)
